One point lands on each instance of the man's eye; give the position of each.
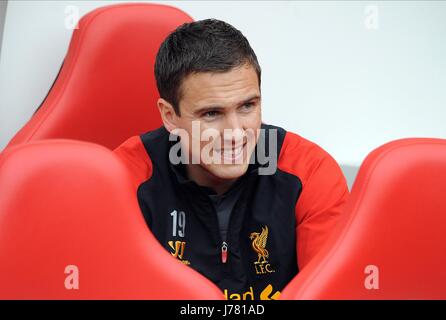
(248, 106)
(210, 114)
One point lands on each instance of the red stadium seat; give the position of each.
(66, 203)
(392, 244)
(106, 89)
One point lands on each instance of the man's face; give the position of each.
(227, 108)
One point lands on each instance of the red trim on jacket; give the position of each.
(136, 159)
(324, 193)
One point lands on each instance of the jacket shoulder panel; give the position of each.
(323, 197)
(135, 157)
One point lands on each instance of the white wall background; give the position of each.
(326, 75)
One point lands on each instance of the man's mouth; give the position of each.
(232, 154)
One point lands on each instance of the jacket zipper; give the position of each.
(224, 244)
(224, 252)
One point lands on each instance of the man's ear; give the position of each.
(168, 114)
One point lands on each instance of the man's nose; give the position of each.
(233, 121)
(233, 131)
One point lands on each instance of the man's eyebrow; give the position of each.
(217, 107)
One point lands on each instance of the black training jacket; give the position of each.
(262, 252)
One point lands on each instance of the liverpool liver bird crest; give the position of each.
(259, 243)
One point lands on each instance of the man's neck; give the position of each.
(203, 178)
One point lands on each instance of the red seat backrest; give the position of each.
(392, 244)
(66, 203)
(106, 89)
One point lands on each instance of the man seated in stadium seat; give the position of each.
(244, 203)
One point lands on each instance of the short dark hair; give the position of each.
(209, 45)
